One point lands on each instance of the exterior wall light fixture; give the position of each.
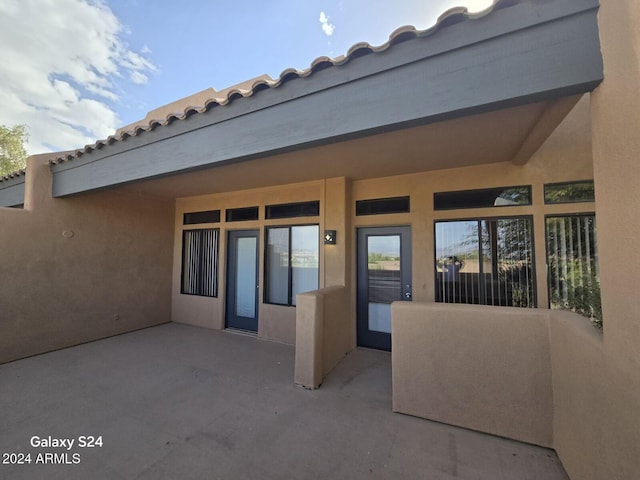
(329, 237)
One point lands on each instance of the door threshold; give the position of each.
(372, 349)
(238, 331)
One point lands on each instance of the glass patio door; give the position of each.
(242, 280)
(384, 276)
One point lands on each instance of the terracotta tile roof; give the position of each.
(250, 87)
(9, 176)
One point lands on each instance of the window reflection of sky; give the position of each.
(305, 237)
(454, 238)
(384, 244)
(305, 245)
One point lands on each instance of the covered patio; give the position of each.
(177, 401)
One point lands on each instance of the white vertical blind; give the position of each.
(485, 261)
(200, 262)
(572, 259)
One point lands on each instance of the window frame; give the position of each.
(567, 202)
(529, 189)
(546, 252)
(371, 201)
(195, 218)
(229, 212)
(534, 280)
(215, 266)
(265, 273)
(269, 210)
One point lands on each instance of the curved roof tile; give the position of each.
(9, 176)
(248, 88)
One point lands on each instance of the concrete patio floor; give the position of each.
(180, 402)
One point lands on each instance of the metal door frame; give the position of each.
(231, 320)
(365, 337)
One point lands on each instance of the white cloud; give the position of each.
(62, 63)
(327, 27)
(138, 77)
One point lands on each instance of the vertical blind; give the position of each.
(485, 262)
(572, 258)
(200, 262)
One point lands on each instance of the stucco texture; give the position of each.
(484, 368)
(78, 269)
(615, 112)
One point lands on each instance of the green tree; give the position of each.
(13, 156)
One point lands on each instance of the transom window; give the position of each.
(241, 214)
(482, 198)
(569, 192)
(485, 261)
(382, 206)
(194, 218)
(291, 210)
(291, 262)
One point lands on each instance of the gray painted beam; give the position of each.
(12, 192)
(411, 83)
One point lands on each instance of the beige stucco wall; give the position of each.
(77, 269)
(323, 333)
(479, 367)
(539, 376)
(579, 394)
(615, 113)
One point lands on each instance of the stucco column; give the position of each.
(336, 217)
(615, 109)
(37, 187)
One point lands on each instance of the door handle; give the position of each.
(407, 292)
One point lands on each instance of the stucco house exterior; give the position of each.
(465, 197)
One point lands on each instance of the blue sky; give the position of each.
(75, 70)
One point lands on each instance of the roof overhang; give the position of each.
(524, 57)
(493, 137)
(12, 191)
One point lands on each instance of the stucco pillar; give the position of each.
(37, 187)
(336, 217)
(615, 109)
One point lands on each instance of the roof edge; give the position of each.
(250, 87)
(13, 175)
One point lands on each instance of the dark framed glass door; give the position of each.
(384, 276)
(242, 280)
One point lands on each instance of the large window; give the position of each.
(200, 262)
(291, 262)
(572, 259)
(485, 261)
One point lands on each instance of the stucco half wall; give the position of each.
(78, 269)
(483, 368)
(323, 333)
(538, 376)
